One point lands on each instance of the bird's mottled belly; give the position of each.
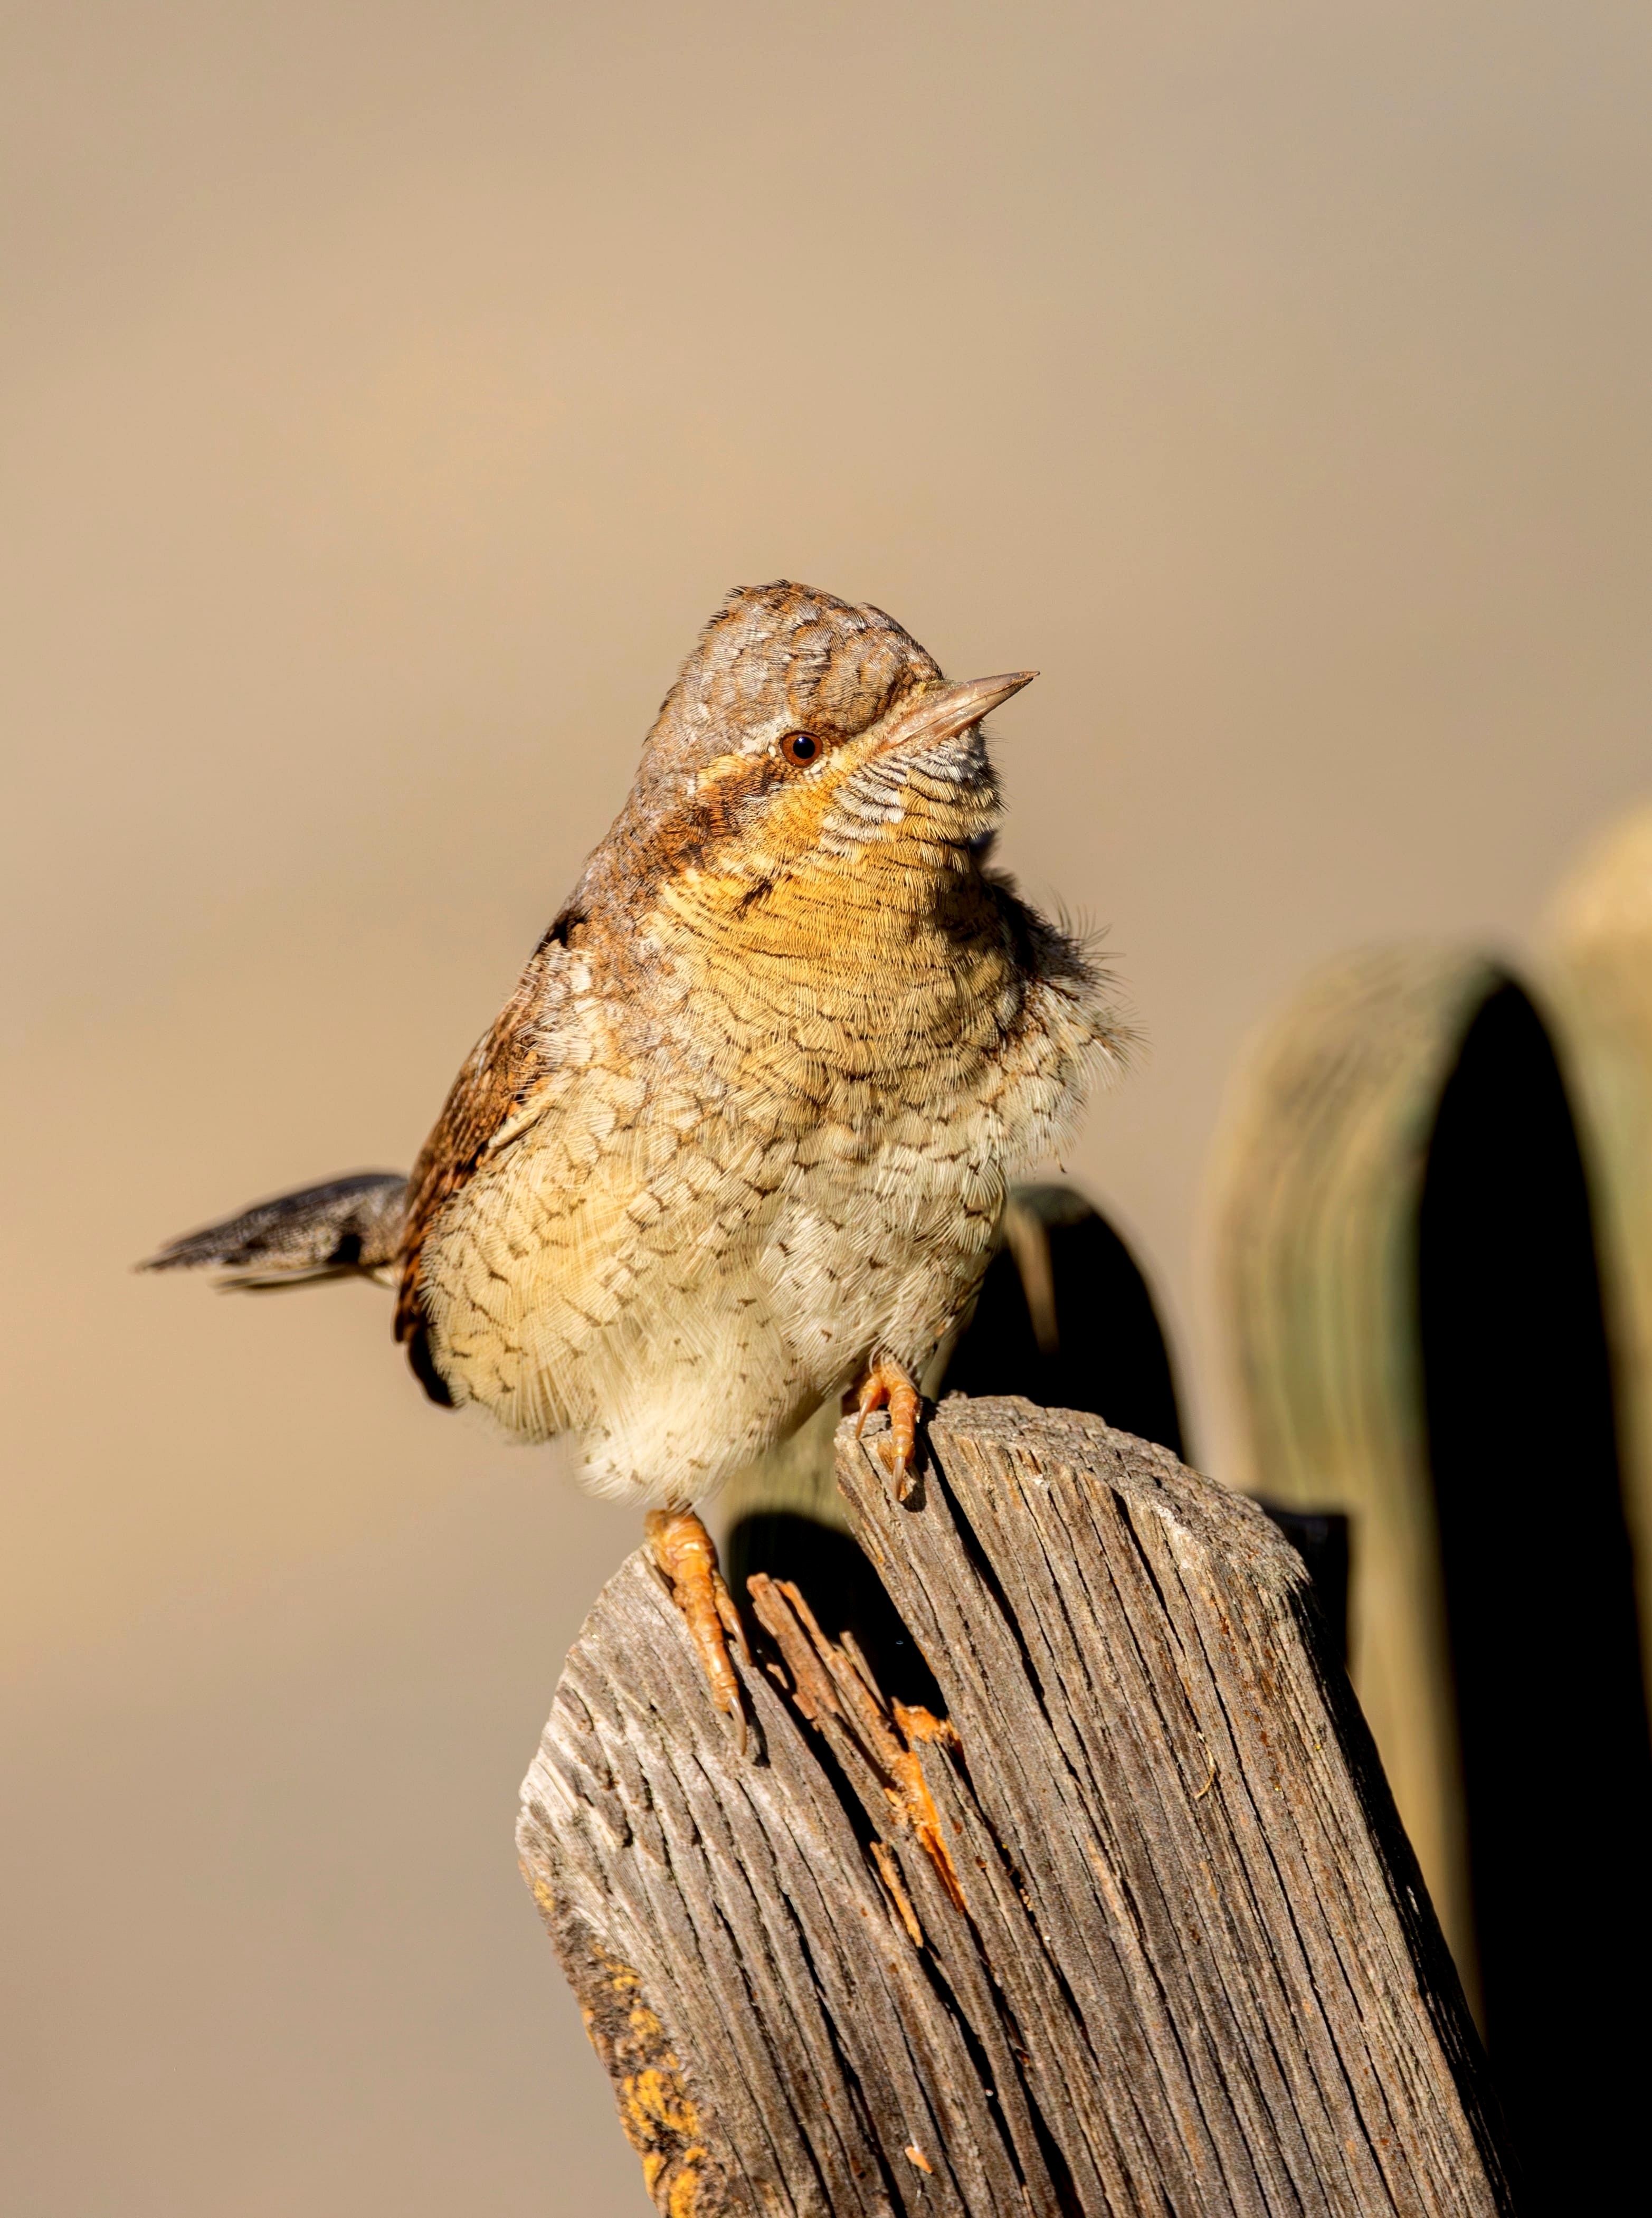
(803, 1182)
(875, 1247)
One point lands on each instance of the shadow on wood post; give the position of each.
(1132, 1929)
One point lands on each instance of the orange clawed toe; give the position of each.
(888, 1384)
(685, 1553)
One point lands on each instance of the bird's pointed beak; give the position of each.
(943, 711)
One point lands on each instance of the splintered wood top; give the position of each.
(1132, 1929)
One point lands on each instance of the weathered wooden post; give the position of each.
(1428, 1227)
(1131, 1928)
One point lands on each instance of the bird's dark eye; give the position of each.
(800, 748)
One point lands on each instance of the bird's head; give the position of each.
(809, 741)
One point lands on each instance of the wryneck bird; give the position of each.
(740, 1139)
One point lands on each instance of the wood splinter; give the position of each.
(831, 1682)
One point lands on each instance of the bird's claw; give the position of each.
(684, 1550)
(888, 1384)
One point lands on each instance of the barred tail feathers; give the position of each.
(349, 1227)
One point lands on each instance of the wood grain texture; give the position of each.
(1316, 1192)
(1132, 1929)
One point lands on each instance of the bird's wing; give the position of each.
(501, 1090)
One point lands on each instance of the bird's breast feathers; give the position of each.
(718, 1178)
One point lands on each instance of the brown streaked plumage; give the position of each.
(740, 1137)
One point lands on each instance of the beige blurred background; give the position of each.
(389, 392)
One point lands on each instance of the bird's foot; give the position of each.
(686, 1553)
(888, 1384)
